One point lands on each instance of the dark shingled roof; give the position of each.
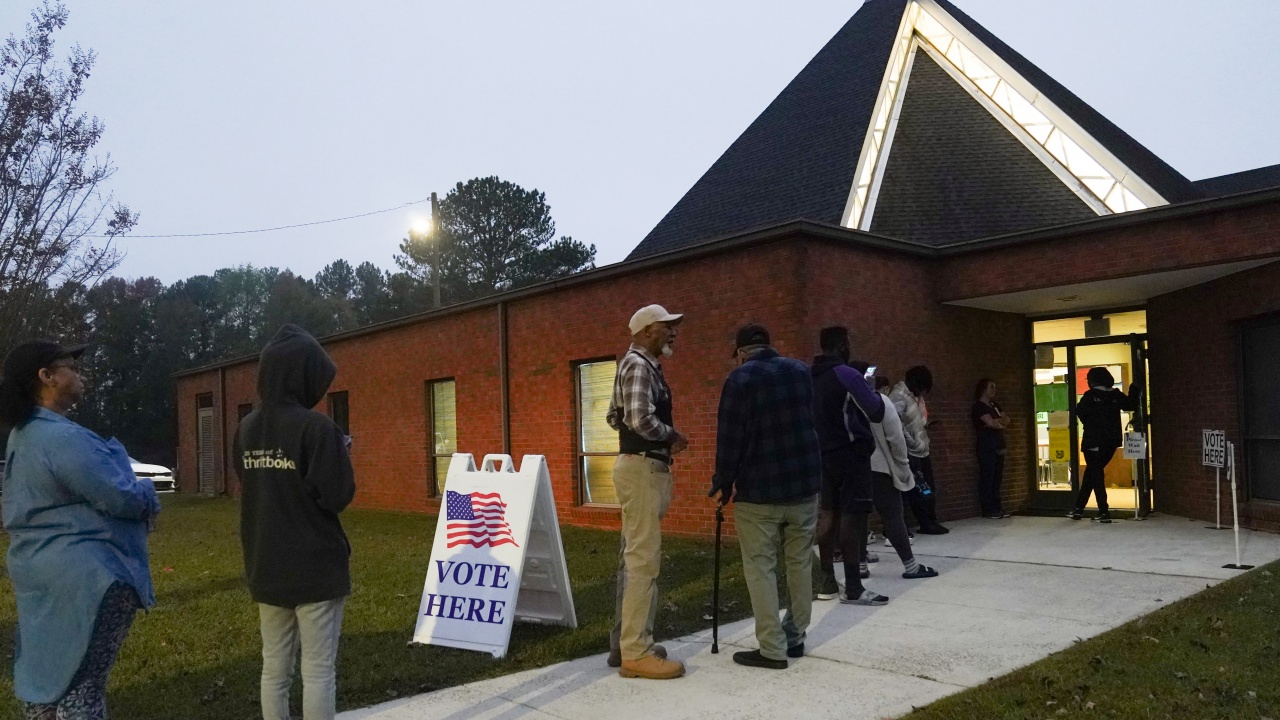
(797, 159)
(956, 173)
(1256, 179)
(1171, 184)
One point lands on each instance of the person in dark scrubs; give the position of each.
(1099, 411)
(989, 423)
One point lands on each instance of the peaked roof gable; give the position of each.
(819, 150)
(956, 173)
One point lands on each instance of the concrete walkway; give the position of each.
(1010, 593)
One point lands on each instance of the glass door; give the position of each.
(1059, 383)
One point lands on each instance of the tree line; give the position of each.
(58, 225)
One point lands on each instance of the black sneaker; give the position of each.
(933, 530)
(1104, 517)
(753, 658)
(796, 651)
(1075, 514)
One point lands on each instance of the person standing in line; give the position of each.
(295, 478)
(844, 406)
(641, 411)
(77, 519)
(1099, 411)
(769, 464)
(891, 477)
(989, 423)
(909, 399)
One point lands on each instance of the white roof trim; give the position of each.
(1080, 161)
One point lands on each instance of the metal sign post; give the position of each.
(1235, 507)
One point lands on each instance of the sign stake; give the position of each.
(1235, 506)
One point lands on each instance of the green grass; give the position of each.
(197, 653)
(1213, 655)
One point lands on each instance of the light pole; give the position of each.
(430, 229)
(435, 251)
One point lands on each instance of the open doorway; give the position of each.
(1065, 350)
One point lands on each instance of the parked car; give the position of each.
(159, 475)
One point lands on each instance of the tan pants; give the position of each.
(644, 491)
(762, 529)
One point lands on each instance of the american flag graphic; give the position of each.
(477, 519)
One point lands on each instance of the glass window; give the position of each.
(442, 423)
(339, 411)
(1260, 345)
(1074, 328)
(597, 442)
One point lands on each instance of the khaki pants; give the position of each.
(644, 491)
(761, 528)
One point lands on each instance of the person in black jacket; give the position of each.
(1099, 411)
(844, 406)
(295, 477)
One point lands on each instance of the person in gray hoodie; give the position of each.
(295, 477)
(908, 399)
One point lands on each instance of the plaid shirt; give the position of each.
(766, 445)
(634, 391)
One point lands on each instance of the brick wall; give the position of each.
(1194, 373)
(889, 304)
(1208, 239)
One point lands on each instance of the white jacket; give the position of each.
(911, 411)
(890, 456)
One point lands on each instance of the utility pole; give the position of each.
(435, 251)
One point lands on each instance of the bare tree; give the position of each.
(57, 222)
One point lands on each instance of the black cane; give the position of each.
(715, 587)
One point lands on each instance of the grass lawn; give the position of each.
(1215, 655)
(197, 654)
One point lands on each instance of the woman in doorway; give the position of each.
(1099, 411)
(989, 422)
(77, 519)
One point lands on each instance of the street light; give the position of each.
(430, 228)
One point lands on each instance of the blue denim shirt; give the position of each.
(77, 520)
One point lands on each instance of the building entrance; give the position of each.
(1065, 350)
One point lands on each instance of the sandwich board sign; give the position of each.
(497, 556)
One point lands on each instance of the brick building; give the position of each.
(919, 182)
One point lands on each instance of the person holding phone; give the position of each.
(989, 423)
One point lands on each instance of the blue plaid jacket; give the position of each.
(766, 446)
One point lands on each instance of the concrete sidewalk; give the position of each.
(1010, 592)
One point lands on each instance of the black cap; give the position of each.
(749, 335)
(25, 362)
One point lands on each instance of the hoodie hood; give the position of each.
(293, 369)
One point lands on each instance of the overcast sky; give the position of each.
(242, 114)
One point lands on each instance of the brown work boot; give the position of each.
(652, 667)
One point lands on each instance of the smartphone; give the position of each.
(870, 373)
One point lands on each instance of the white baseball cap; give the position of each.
(649, 315)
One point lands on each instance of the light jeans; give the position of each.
(644, 491)
(318, 626)
(761, 530)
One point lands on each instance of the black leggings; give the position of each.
(1095, 477)
(990, 476)
(852, 541)
(888, 501)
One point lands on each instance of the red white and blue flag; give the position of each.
(476, 519)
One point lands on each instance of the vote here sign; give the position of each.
(473, 587)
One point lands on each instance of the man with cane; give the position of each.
(768, 463)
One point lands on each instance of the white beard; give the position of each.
(667, 351)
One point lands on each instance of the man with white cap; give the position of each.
(641, 412)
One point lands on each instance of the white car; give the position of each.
(159, 475)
